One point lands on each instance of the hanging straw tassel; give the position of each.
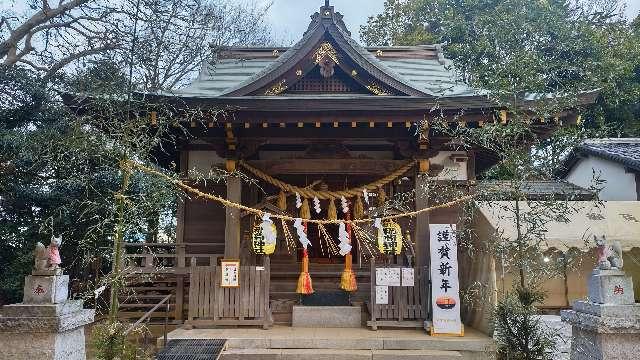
(358, 208)
(282, 201)
(382, 196)
(305, 287)
(305, 212)
(348, 278)
(332, 212)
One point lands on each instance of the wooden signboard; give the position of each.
(230, 273)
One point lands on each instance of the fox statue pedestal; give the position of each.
(46, 325)
(607, 326)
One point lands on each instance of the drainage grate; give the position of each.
(192, 349)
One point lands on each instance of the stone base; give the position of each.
(53, 318)
(44, 332)
(589, 345)
(66, 345)
(611, 287)
(604, 331)
(327, 316)
(46, 289)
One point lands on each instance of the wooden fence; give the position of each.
(407, 305)
(211, 305)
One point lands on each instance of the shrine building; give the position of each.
(323, 130)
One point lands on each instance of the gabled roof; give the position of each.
(624, 151)
(419, 71)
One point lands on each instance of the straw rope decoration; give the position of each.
(288, 238)
(331, 245)
(327, 195)
(181, 185)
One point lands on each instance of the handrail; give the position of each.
(141, 244)
(148, 314)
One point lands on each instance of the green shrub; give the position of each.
(110, 343)
(518, 332)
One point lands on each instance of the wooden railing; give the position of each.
(147, 316)
(169, 257)
(157, 270)
(407, 306)
(211, 305)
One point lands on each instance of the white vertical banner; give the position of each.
(445, 289)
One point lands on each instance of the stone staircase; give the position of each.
(351, 344)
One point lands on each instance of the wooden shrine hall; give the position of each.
(323, 130)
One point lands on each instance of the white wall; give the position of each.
(619, 185)
(453, 170)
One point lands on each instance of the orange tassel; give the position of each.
(348, 278)
(305, 287)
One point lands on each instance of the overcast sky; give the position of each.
(290, 18)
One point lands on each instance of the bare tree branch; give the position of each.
(52, 38)
(41, 17)
(71, 58)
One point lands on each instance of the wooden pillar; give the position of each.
(180, 247)
(232, 223)
(421, 236)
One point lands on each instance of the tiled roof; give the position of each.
(420, 71)
(540, 190)
(431, 75)
(625, 151)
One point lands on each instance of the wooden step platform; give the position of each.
(282, 342)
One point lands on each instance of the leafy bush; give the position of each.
(518, 332)
(110, 343)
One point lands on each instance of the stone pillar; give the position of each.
(607, 326)
(45, 325)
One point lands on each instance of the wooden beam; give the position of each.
(232, 219)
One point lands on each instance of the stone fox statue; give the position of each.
(41, 257)
(609, 256)
(47, 258)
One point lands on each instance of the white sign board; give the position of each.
(388, 276)
(445, 289)
(407, 277)
(382, 295)
(230, 273)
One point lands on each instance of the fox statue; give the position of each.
(609, 256)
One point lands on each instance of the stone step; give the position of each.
(330, 354)
(357, 343)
